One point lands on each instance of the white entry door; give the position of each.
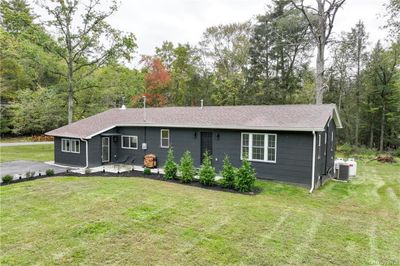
(105, 149)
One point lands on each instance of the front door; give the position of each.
(105, 149)
(205, 144)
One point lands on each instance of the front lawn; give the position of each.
(38, 152)
(130, 221)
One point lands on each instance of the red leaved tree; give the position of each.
(156, 81)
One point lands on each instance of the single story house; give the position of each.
(290, 143)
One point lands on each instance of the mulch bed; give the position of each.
(133, 174)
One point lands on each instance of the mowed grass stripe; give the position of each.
(103, 220)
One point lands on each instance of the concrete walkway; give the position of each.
(9, 144)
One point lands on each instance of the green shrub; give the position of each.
(207, 171)
(147, 171)
(7, 179)
(186, 168)
(170, 167)
(396, 152)
(245, 178)
(228, 174)
(50, 172)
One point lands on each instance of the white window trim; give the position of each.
(72, 141)
(64, 150)
(325, 139)
(161, 138)
(129, 148)
(266, 135)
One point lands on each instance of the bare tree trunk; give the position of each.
(382, 128)
(319, 80)
(70, 94)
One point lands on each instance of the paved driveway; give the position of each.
(21, 167)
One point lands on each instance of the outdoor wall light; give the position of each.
(195, 134)
(217, 136)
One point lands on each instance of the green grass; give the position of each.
(130, 221)
(39, 152)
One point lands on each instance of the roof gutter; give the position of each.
(87, 152)
(313, 164)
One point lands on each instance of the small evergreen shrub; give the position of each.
(245, 178)
(207, 171)
(50, 172)
(186, 168)
(170, 167)
(228, 174)
(7, 179)
(147, 171)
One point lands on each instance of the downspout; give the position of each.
(87, 152)
(313, 164)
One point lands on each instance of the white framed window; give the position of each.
(259, 147)
(325, 140)
(332, 142)
(65, 145)
(129, 142)
(75, 146)
(164, 138)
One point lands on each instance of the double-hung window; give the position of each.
(65, 145)
(75, 146)
(259, 147)
(164, 136)
(71, 145)
(129, 142)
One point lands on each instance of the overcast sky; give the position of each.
(182, 21)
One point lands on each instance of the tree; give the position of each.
(186, 168)
(157, 79)
(356, 40)
(226, 49)
(279, 52)
(383, 73)
(207, 171)
(393, 19)
(85, 41)
(228, 173)
(320, 21)
(245, 177)
(170, 167)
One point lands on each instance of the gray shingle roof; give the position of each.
(251, 117)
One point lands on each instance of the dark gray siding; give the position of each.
(293, 160)
(69, 158)
(325, 163)
(294, 150)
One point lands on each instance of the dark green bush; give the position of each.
(186, 168)
(245, 178)
(7, 179)
(50, 172)
(147, 171)
(207, 171)
(228, 174)
(170, 167)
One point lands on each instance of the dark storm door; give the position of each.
(205, 144)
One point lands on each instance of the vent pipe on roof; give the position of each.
(201, 103)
